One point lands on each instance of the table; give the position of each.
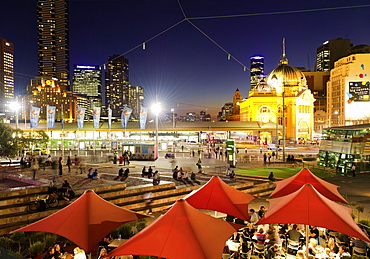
(233, 246)
(117, 242)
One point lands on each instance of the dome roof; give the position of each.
(285, 75)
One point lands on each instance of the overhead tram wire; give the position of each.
(279, 12)
(218, 45)
(150, 39)
(233, 16)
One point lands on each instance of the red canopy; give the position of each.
(307, 206)
(182, 233)
(305, 176)
(219, 196)
(86, 221)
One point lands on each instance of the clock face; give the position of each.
(48, 82)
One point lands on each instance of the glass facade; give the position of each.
(341, 147)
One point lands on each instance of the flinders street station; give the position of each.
(283, 99)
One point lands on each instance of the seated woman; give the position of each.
(144, 172)
(313, 248)
(69, 194)
(52, 191)
(89, 173)
(150, 172)
(261, 237)
(156, 178)
(95, 175)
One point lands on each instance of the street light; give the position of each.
(156, 109)
(15, 107)
(173, 117)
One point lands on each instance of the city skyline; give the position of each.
(182, 66)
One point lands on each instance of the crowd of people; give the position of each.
(270, 241)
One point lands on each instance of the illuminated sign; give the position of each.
(257, 57)
(85, 67)
(358, 92)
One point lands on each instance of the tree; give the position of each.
(8, 140)
(13, 141)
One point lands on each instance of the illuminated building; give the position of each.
(44, 91)
(330, 51)
(53, 40)
(285, 86)
(316, 82)
(6, 75)
(133, 98)
(116, 83)
(257, 64)
(226, 111)
(348, 91)
(87, 81)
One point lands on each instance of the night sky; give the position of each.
(182, 66)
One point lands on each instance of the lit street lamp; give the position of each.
(156, 109)
(15, 107)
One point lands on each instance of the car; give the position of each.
(38, 151)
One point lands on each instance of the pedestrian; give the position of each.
(269, 157)
(273, 155)
(353, 170)
(60, 164)
(271, 176)
(264, 158)
(246, 150)
(69, 163)
(34, 166)
(148, 201)
(182, 148)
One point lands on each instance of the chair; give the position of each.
(259, 249)
(293, 246)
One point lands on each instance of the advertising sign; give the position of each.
(358, 92)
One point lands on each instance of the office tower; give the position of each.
(87, 81)
(116, 83)
(330, 51)
(316, 82)
(257, 64)
(6, 75)
(133, 98)
(348, 91)
(53, 40)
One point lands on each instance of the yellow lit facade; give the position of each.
(45, 91)
(285, 87)
(348, 91)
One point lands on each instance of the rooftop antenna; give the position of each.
(284, 60)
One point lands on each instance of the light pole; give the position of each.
(156, 109)
(173, 117)
(15, 107)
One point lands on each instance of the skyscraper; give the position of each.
(331, 51)
(53, 40)
(87, 80)
(257, 64)
(6, 75)
(116, 83)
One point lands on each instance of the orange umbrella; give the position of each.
(86, 221)
(182, 233)
(307, 206)
(218, 196)
(304, 176)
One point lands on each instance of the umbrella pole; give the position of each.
(307, 237)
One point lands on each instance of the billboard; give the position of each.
(358, 92)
